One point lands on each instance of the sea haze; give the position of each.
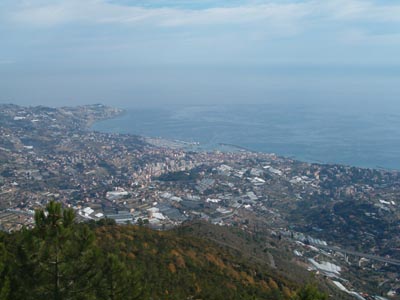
(359, 134)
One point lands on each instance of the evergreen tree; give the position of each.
(63, 260)
(64, 255)
(4, 279)
(117, 281)
(310, 292)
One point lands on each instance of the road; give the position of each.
(360, 254)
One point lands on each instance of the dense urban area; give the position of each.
(339, 222)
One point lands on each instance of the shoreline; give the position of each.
(182, 144)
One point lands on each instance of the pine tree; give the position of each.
(310, 292)
(64, 255)
(118, 282)
(4, 279)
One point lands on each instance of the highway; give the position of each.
(360, 254)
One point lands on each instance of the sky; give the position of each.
(160, 52)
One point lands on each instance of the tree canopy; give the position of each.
(61, 259)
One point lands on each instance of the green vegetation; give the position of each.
(310, 292)
(60, 259)
(180, 176)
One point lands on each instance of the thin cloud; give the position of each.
(356, 10)
(100, 11)
(237, 30)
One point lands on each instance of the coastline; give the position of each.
(175, 143)
(112, 113)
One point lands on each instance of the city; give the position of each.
(338, 221)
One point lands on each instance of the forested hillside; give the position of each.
(61, 259)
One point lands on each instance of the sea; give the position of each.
(362, 134)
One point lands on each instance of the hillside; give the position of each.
(60, 259)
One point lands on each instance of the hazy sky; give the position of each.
(58, 52)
